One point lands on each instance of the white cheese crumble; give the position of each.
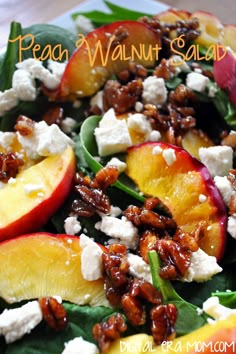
(8, 100)
(197, 82)
(91, 259)
(68, 124)
(154, 90)
(225, 188)
(72, 225)
(112, 134)
(202, 267)
(7, 139)
(24, 85)
(218, 159)
(169, 156)
(115, 211)
(121, 166)
(15, 323)
(202, 198)
(138, 268)
(157, 150)
(154, 136)
(80, 346)
(97, 100)
(121, 229)
(83, 24)
(178, 63)
(214, 309)
(231, 226)
(140, 124)
(45, 141)
(138, 106)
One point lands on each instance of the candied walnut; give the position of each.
(106, 332)
(174, 257)
(133, 309)
(119, 34)
(181, 95)
(116, 275)
(121, 97)
(24, 125)
(232, 177)
(163, 319)
(132, 213)
(94, 197)
(186, 240)
(106, 176)
(54, 115)
(145, 290)
(229, 139)
(164, 70)
(53, 313)
(232, 205)
(148, 242)
(9, 166)
(81, 208)
(134, 71)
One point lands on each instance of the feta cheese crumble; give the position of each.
(112, 134)
(197, 82)
(225, 188)
(72, 225)
(8, 100)
(15, 323)
(121, 229)
(169, 156)
(91, 259)
(140, 124)
(214, 309)
(83, 24)
(138, 268)
(218, 159)
(202, 267)
(121, 166)
(231, 226)
(31, 188)
(45, 141)
(80, 346)
(154, 90)
(24, 85)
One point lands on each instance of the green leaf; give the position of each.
(11, 57)
(188, 317)
(227, 298)
(118, 13)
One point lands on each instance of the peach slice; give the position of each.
(210, 26)
(173, 15)
(42, 264)
(194, 139)
(36, 194)
(229, 37)
(96, 59)
(185, 186)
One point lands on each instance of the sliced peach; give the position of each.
(36, 194)
(194, 139)
(185, 186)
(42, 264)
(96, 59)
(210, 26)
(229, 37)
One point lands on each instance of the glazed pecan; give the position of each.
(164, 70)
(148, 242)
(54, 115)
(9, 165)
(24, 125)
(94, 197)
(176, 259)
(120, 34)
(163, 319)
(182, 95)
(106, 332)
(106, 176)
(133, 309)
(145, 290)
(121, 97)
(186, 240)
(116, 275)
(53, 313)
(133, 72)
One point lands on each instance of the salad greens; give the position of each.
(187, 297)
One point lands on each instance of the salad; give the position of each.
(118, 185)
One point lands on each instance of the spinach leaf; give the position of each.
(117, 13)
(227, 298)
(81, 321)
(188, 317)
(11, 57)
(52, 39)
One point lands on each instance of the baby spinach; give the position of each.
(117, 13)
(189, 319)
(227, 298)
